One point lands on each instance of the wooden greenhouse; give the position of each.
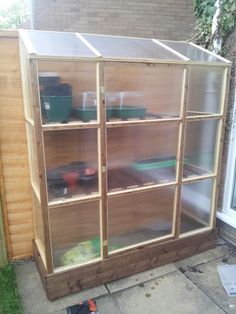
(125, 138)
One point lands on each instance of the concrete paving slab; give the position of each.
(134, 280)
(204, 257)
(169, 294)
(107, 305)
(206, 278)
(34, 298)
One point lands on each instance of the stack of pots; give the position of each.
(56, 98)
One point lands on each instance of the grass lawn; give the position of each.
(10, 302)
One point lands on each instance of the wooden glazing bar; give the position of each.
(140, 189)
(140, 122)
(69, 126)
(41, 163)
(73, 201)
(102, 159)
(198, 178)
(180, 154)
(204, 117)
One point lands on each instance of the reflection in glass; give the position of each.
(191, 52)
(196, 201)
(200, 146)
(67, 92)
(139, 217)
(141, 155)
(75, 234)
(204, 92)
(142, 92)
(127, 47)
(57, 44)
(71, 163)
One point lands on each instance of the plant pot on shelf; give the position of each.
(71, 178)
(127, 112)
(48, 78)
(58, 108)
(85, 114)
(89, 113)
(57, 90)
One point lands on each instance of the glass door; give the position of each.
(143, 122)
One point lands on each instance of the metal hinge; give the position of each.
(102, 90)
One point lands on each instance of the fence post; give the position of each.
(3, 251)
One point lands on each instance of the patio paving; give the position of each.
(189, 286)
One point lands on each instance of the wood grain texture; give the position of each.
(122, 264)
(17, 201)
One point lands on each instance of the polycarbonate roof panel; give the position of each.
(77, 45)
(57, 44)
(191, 52)
(129, 48)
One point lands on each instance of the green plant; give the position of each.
(204, 12)
(10, 302)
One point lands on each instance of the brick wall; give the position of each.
(172, 19)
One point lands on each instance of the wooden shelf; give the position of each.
(72, 125)
(72, 200)
(203, 116)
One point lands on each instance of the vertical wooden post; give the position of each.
(180, 154)
(102, 156)
(41, 162)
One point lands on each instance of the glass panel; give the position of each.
(33, 160)
(204, 92)
(196, 202)
(75, 234)
(141, 155)
(58, 44)
(67, 92)
(71, 162)
(139, 217)
(200, 147)
(142, 92)
(127, 47)
(191, 52)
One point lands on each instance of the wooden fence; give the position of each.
(14, 176)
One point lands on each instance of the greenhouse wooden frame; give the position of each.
(157, 250)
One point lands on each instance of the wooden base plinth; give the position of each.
(122, 264)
